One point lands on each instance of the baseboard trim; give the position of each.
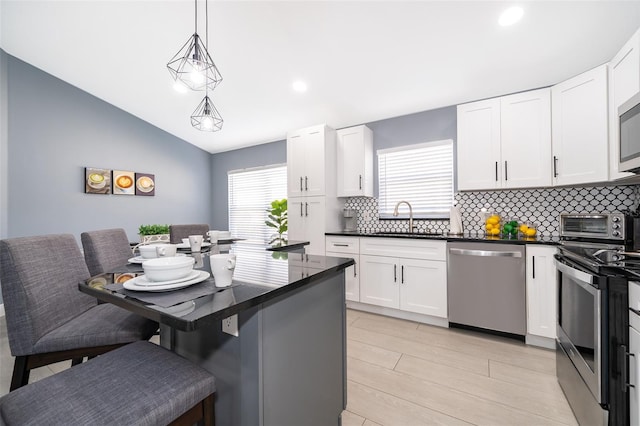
(396, 313)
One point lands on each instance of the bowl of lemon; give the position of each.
(492, 224)
(528, 230)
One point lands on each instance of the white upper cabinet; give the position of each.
(308, 151)
(478, 145)
(355, 162)
(505, 142)
(624, 82)
(525, 129)
(580, 139)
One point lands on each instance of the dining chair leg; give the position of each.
(20, 373)
(209, 414)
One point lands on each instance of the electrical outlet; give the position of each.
(230, 325)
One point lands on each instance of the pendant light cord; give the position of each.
(195, 4)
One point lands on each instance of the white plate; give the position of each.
(131, 285)
(140, 259)
(188, 246)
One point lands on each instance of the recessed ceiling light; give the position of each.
(511, 16)
(299, 86)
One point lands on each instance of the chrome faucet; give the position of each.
(395, 213)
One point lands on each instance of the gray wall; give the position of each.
(3, 144)
(437, 124)
(255, 156)
(55, 130)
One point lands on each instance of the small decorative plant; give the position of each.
(278, 221)
(153, 233)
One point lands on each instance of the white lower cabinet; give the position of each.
(347, 247)
(410, 283)
(541, 291)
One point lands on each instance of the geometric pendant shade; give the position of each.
(206, 117)
(193, 66)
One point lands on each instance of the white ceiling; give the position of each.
(362, 60)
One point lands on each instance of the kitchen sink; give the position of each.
(407, 234)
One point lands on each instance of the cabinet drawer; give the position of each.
(342, 244)
(403, 247)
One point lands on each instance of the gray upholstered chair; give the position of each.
(178, 232)
(105, 249)
(138, 384)
(48, 318)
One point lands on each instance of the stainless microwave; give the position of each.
(629, 135)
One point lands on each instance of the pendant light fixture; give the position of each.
(192, 65)
(206, 117)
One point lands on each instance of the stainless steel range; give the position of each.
(593, 264)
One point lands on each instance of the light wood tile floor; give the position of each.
(402, 373)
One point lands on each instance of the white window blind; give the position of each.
(420, 174)
(251, 192)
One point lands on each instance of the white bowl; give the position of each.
(168, 268)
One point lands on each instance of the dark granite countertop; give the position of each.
(479, 237)
(259, 276)
(290, 245)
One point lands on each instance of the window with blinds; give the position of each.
(420, 174)
(251, 192)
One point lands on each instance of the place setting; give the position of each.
(154, 251)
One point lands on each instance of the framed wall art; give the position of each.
(145, 184)
(97, 181)
(124, 182)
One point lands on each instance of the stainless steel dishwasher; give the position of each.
(486, 286)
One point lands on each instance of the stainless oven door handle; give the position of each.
(581, 277)
(465, 252)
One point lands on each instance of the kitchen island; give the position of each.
(287, 364)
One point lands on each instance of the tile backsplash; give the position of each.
(540, 206)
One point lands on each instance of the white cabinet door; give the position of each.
(634, 376)
(355, 162)
(314, 224)
(351, 276)
(478, 145)
(423, 287)
(525, 130)
(379, 281)
(296, 220)
(295, 164)
(314, 182)
(541, 291)
(624, 82)
(580, 138)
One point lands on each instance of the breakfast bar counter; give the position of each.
(283, 360)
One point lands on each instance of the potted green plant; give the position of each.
(278, 221)
(153, 233)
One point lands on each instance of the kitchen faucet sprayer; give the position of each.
(395, 213)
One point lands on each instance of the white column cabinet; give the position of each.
(505, 142)
(311, 186)
(541, 290)
(355, 162)
(580, 138)
(624, 82)
(347, 247)
(415, 282)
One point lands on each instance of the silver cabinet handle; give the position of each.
(306, 183)
(555, 166)
(465, 252)
(533, 267)
(402, 274)
(506, 175)
(360, 181)
(340, 245)
(300, 209)
(395, 273)
(355, 272)
(301, 183)
(496, 171)
(306, 209)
